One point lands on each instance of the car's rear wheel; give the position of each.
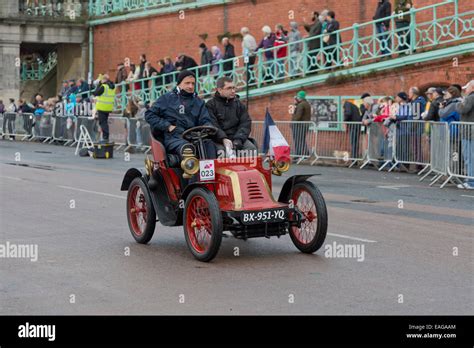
(202, 224)
(140, 212)
(310, 202)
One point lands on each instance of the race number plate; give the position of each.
(207, 170)
(259, 217)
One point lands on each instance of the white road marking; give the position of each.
(394, 187)
(94, 192)
(11, 178)
(354, 238)
(467, 196)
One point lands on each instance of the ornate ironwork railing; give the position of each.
(353, 46)
(99, 8)
(38, 70)
(64, 9)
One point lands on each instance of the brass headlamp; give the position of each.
(280, 167)
(189, 164)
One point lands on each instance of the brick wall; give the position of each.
(440, 73)
(168, 35)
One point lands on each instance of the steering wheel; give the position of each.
(199, 132)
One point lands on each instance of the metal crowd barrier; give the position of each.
(439, 148)
(92, 126)
(343, 141)
(64, 129)
(118, 130)
(139, 134)
(381, 142)
(461, 152)
(411, 144)
(42, 127)
(301, 137)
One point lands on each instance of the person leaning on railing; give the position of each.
(384, 9)
(313, 45)
(402, 23)
(333, 40)
(466, 109)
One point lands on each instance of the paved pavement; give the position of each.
(408, 230)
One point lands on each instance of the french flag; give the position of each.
(273, 141)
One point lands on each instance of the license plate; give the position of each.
(258, 217)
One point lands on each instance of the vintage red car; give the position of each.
(233, 194)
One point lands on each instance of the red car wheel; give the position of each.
(310, 202)
(202, 224)
(140, 212)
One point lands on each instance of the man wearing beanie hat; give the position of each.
(179, 110)
(302, 113)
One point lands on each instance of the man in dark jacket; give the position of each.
(302, 113)
(185, 63)
(232, 119)
(314, 29)
(177, 111)
(384, 9)
(352, 114)
(436, 100)
(229, 53)
(402, 22)
(206, 58)
(332, 28)
(466, 109)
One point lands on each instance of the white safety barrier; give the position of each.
(381, 142)
(411, 144)
(301, 137)
(341, 141)
(139, 134)
(461, 152)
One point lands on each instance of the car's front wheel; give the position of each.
(202, 224)
(141, 214)
(310, 202)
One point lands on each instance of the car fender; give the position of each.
(192, 186)
(131, 174)
(290, 183)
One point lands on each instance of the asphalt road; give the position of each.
(409, 232)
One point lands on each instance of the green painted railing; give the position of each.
(355, 46)
(98, 8)
(37, 71)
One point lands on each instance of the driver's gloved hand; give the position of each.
(238, 144)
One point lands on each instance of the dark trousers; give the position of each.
(332, 56)
(385, 42)
(104, 124)
(251, 74)
(405, 33)
(299, 131)
(9, 124)
(354, 135)
(312, 64)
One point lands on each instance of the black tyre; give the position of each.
(141, 214)
(309, 200)
(202, 224)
